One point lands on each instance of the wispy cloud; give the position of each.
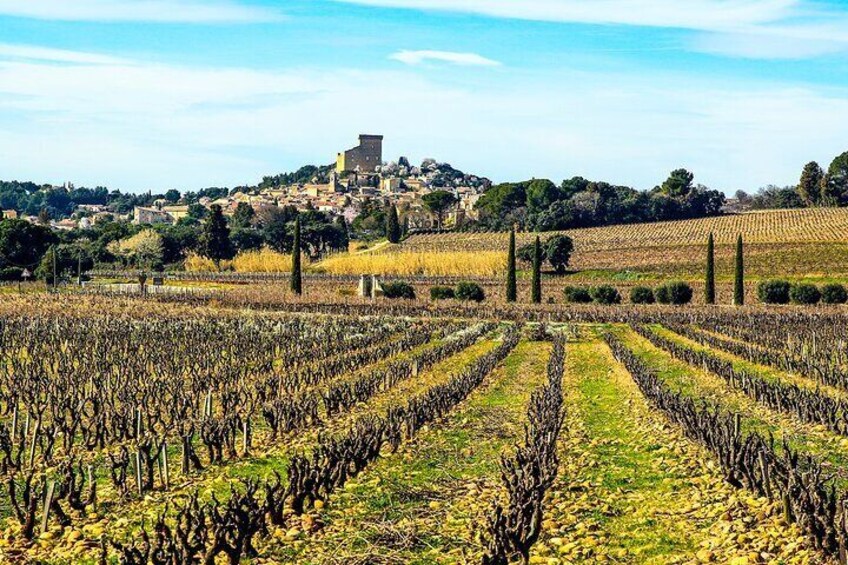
(689, 14)
(773, 29)
(114, 123)
(36, 53)
(157, 11)
(454, 58)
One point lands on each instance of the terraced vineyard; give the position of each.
(805, 241)
(213, 435)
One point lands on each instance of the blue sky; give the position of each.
(157, 94)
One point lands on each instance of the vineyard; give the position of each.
(182, 430)
(805, 241)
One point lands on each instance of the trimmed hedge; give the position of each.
(605, 294)
(834, 294)
(442, 293)
(804, 293)
(641, 295)
(470, 291)
(774, 292)
(399, 289)
(577, 295)
(675, 292)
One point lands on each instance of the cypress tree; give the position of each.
(709, 291)
(393, 232)
(739, 283)
(537, 272)
(511, 286)
(215, 239)
(296, 282)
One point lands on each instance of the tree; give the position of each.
(558, 252)
(537, 272)
(739, 281)
(709, 290)
(344, 233)
(143, 250)
(23, 244)
(215, 240)
(835, 183)
(810, 186)
(243, 216)
(678, 184)
(296, 281)
(393, 225)
(511, 283)
(274, 227)
(438, 203)
(44, 217)
(172, 195)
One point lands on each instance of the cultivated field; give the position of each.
(188, 431)
(779, 242)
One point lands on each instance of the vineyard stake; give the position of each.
(137, 457)
(32, 444)
(766, 478)
(14, 423)
(48, 501)
(165, 472)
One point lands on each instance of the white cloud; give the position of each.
(763, 29)
(689, 14)
(29, 52)
(139, 126)
(461, 59)
(160, 11)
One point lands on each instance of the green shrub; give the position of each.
(10, 274)
(399, 289)
(641, 295)
(577, 295)
(662, 294)
(804, 293)
(834, 294)
(773, 292)
(470, 291)
(605, 294)
(442, 293)
(679, 292)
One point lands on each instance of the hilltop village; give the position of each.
(359, 174)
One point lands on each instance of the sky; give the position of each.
(155, 94)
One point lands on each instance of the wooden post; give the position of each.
(138, 472)
(415, 368)
(48, 500)
(138, 422)
(91, 482)
(166, 475)
(14, 423)
(32, 444)
(246, 440)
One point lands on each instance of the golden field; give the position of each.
(481, 264)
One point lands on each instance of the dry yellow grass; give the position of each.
(260, 261)
(484, 264)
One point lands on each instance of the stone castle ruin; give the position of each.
(364, 158)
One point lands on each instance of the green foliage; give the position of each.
(215, 239)
(558, 252)
(393, 231)
(296, 275)
(243, 216)
(526, 253)
(810, 186)
(536, 289)
(739, 275)
(835, 183)
(804, 293)
(709, 282)
(442, 293)
(834, 294)
(370, 224)
(773, 291)
(577, 295)
(438, 202)
(678, 184)
(398, 289)
(675, 292)
(511, 283)
(641, 295)
(470, 291)
(605, 294)
(22, 244)
(274, 224)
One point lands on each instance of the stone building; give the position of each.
(365, 157)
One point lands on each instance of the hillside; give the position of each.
(792, 242)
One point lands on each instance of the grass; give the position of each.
(424, 503)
